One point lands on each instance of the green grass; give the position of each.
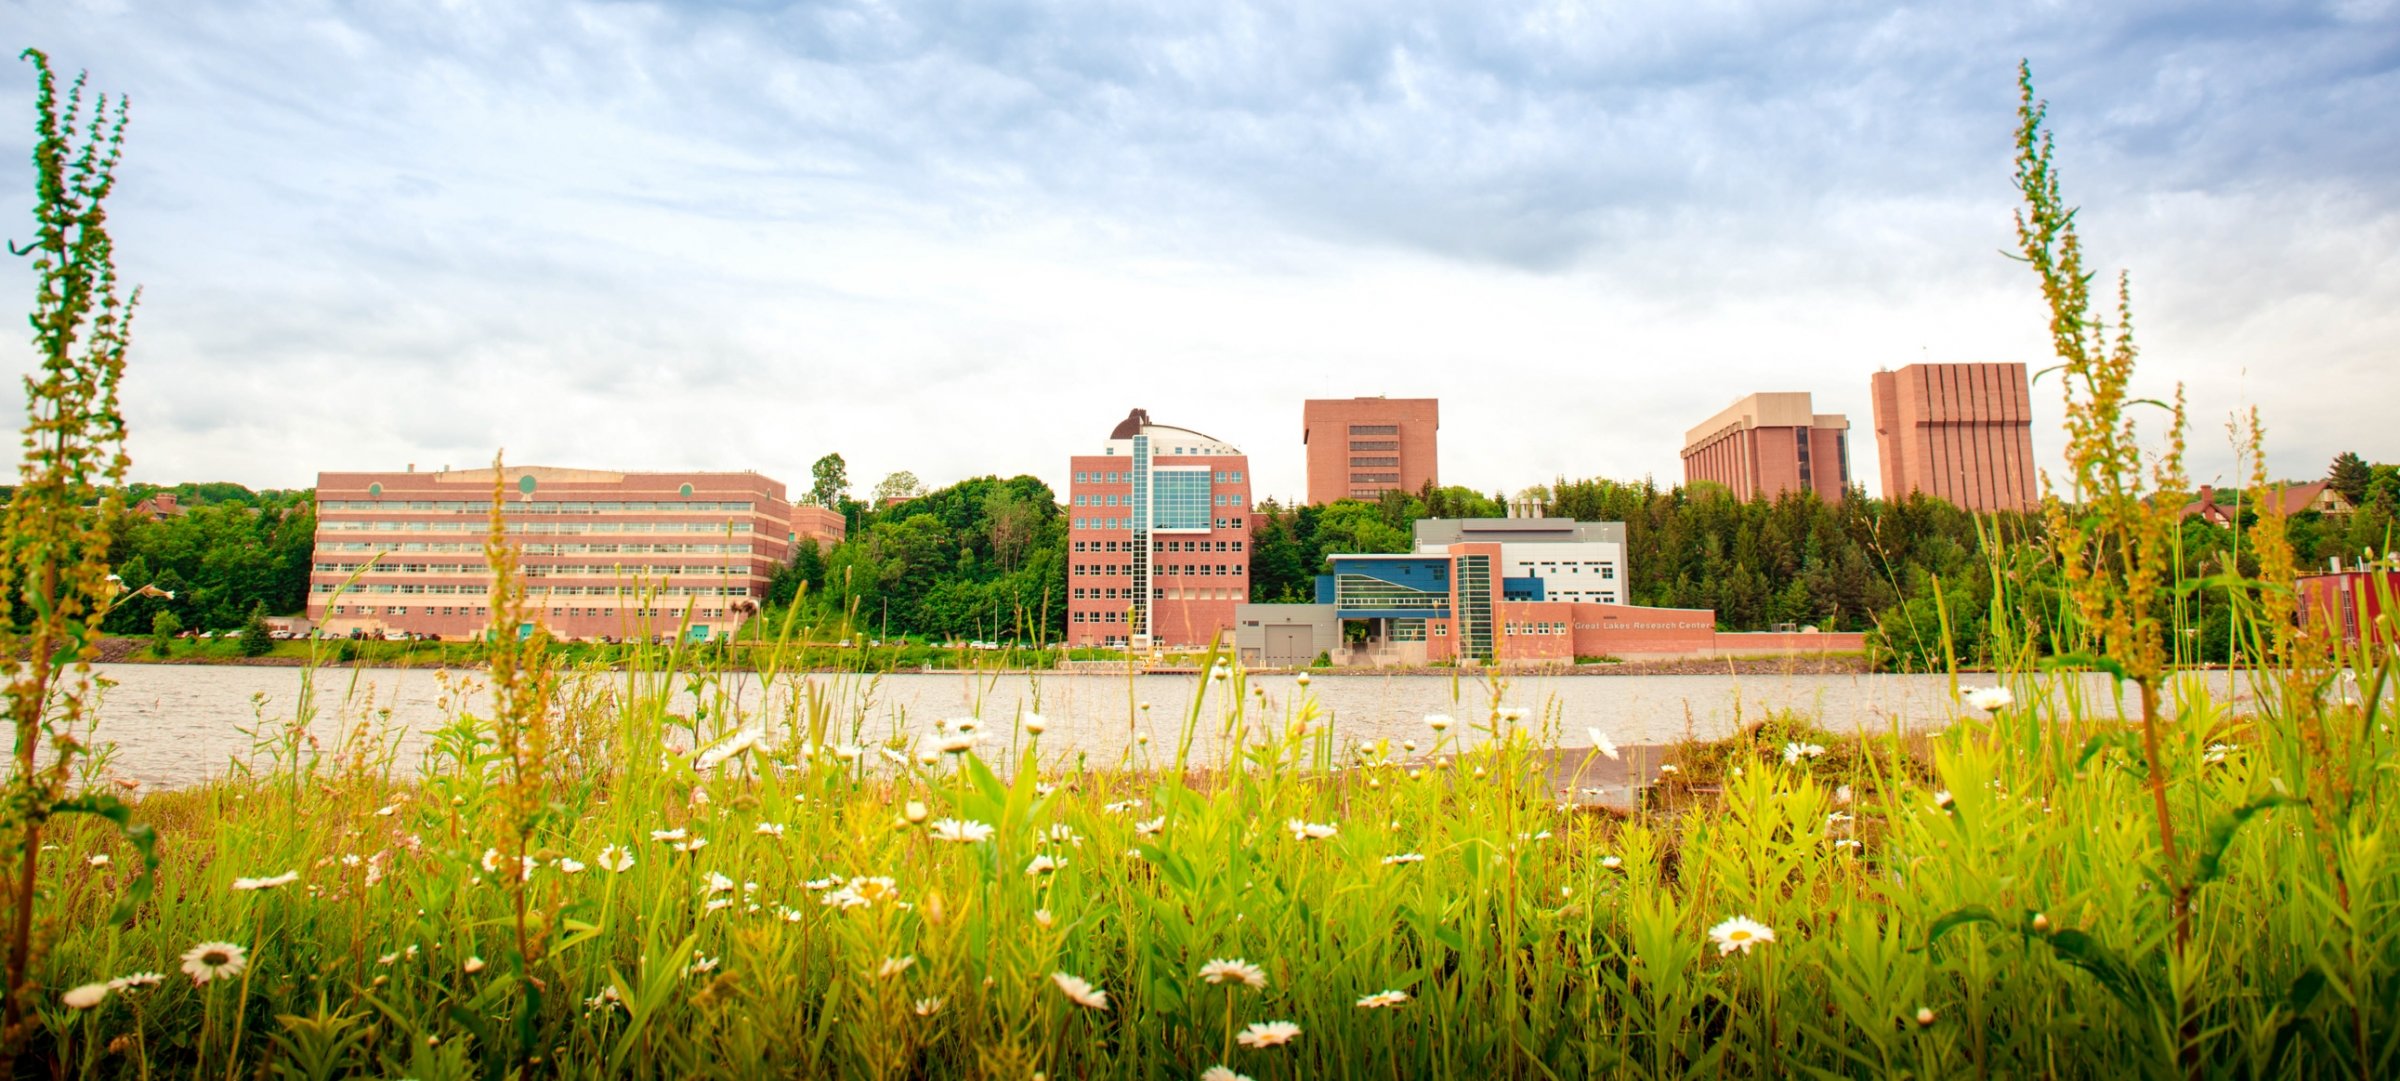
(1531, 940)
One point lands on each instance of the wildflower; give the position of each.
(1601, 742)
(718, 883)
(268, 883)
(2217, 752)
(927, 1007)
(693, 845)
(959, 744)
(1309, 831)
(616, 859)
(491, 861)
(1151, 827)
(1667, 767)
(1944, 800)
(1991, 699)
(388, 958)
(570, 865)
(769, 829)
(1383, 1000)
(1265, 1034)
(85, 997)
(1841, 795)
(914, 812)
(1794, 752)
(718, 905)
(701, 965)
(1925, 1017)
(741, 744)
(1235, 970)
(819, 884)
(848, 752)
(1301, 679)
(957, 832)
(1080, 991)
(893, 966)
(1848, 842)
(845, 898)
(1043, 865)
(1438, 721)
(1219, 673)
(1221, 1073)
(387, 810)
(1403, 857)
(214, 961)
(1122, 806)
(787, 913)
(668, 836)
(136, 981)
(2041, 923)
(1839, 817)
(1511, 714)
(1740, 933)
(606, 999)
(473, 965)
(1034, 724)
(96, 859)
(1611, 862)
(925, 757)
(1064, 834)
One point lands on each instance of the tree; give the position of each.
(898, 487)
(832, 481)
(163, 629)
(257, 640)
(2350, 476)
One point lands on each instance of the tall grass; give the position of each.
(640, 871)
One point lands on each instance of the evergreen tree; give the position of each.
(2350, 476)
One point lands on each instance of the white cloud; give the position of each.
(961, 239)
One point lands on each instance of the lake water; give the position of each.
(176, 725)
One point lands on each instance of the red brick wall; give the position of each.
(1619, 629)
(1325, 428)
(1196, 605)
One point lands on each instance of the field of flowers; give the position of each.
(806, 895)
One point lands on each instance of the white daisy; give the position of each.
(961, 832)
(615, 859)
(893, 966)
(1221, 1073)
(85, 997)
(1438, 721)
(1383, 1000)
(1601, 742)
(1235, 970)
(268, 883)
(1080, 992)
(1403, 857)
(1990, 699)
(1043, 865)
(1740, 933)
(1265, 1034)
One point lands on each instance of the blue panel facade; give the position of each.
(1521, 589)
(1415, 588)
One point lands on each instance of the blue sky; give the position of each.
(961, 238)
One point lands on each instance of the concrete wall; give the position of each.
(1960, 432)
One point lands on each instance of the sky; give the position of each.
(966, 237)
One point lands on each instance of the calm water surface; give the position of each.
(181, 724)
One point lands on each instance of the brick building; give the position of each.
(606, 555)
(1158, 538)
(1958, 432)
(1360, 448)
(1767, 444)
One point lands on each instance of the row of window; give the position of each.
(1374, 478)
(1127, 523)
(1125, 476)
(547, 591)
(1374, 444)
(1162, 546)
(341, 525)
(481, 507)
(483, 613)
(1537, 627)
(1200, 570)
(1373, 463)
(535, 570)
(1374, 429)
(473, 548)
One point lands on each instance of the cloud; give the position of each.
(964, 237)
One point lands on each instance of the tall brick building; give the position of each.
(1959, 432)
(606, 554)
(1158, 537)
(1768, 444)
(1359, 448)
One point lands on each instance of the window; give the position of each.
(1374, 444)
(1369, 463)
(1082, 477)
(1374, 429)
(1374, 478)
